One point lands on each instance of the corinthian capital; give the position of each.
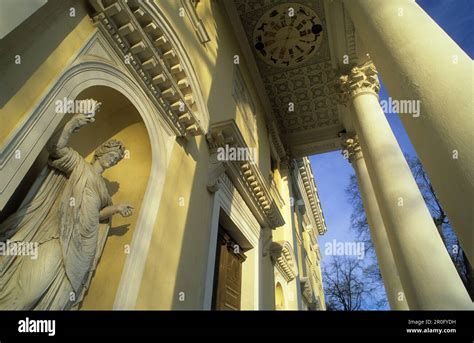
(361, 78)
(351, 147)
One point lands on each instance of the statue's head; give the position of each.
(110, 153)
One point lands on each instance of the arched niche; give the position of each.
(90, 76)
(126, 182)
(279, 297)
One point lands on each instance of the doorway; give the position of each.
(228, 273)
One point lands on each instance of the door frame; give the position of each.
(228, 201)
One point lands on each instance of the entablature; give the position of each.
(245, 174)
(310, 193)
(152, 53)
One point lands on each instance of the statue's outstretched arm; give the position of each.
(125, 210)
(59, 142)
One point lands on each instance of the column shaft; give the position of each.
(419, 61)
(428, 276)
(388, 268)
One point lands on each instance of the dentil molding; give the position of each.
(152, 53)
(244, 174)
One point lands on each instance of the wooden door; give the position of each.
(228, 274)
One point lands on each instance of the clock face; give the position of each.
(287, 35)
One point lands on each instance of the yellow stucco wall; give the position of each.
(180, 242)
(40, 78)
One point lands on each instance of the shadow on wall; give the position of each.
(177, 261)
(34, 40)
(192, 257)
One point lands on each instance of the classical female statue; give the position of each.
(62, 214)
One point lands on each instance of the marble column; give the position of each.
(419, 61)
(388, 269)
(427, 274)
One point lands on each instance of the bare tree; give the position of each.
(441, 221)
(348, 285)
(359, 222)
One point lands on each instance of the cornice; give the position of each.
(245, 175)
(276, 140)
(153, 59)
(310, 191)
(341, 35)
(281, 253)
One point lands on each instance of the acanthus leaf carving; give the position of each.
(362, 78)
(351, 147)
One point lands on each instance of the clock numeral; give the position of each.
(275, 26)
(302, 10)
(262, 27)
(274, 13)
(292, 47)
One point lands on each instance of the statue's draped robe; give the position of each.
(62, 216)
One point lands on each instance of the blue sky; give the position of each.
(332, 171)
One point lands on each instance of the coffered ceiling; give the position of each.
(297, 60)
